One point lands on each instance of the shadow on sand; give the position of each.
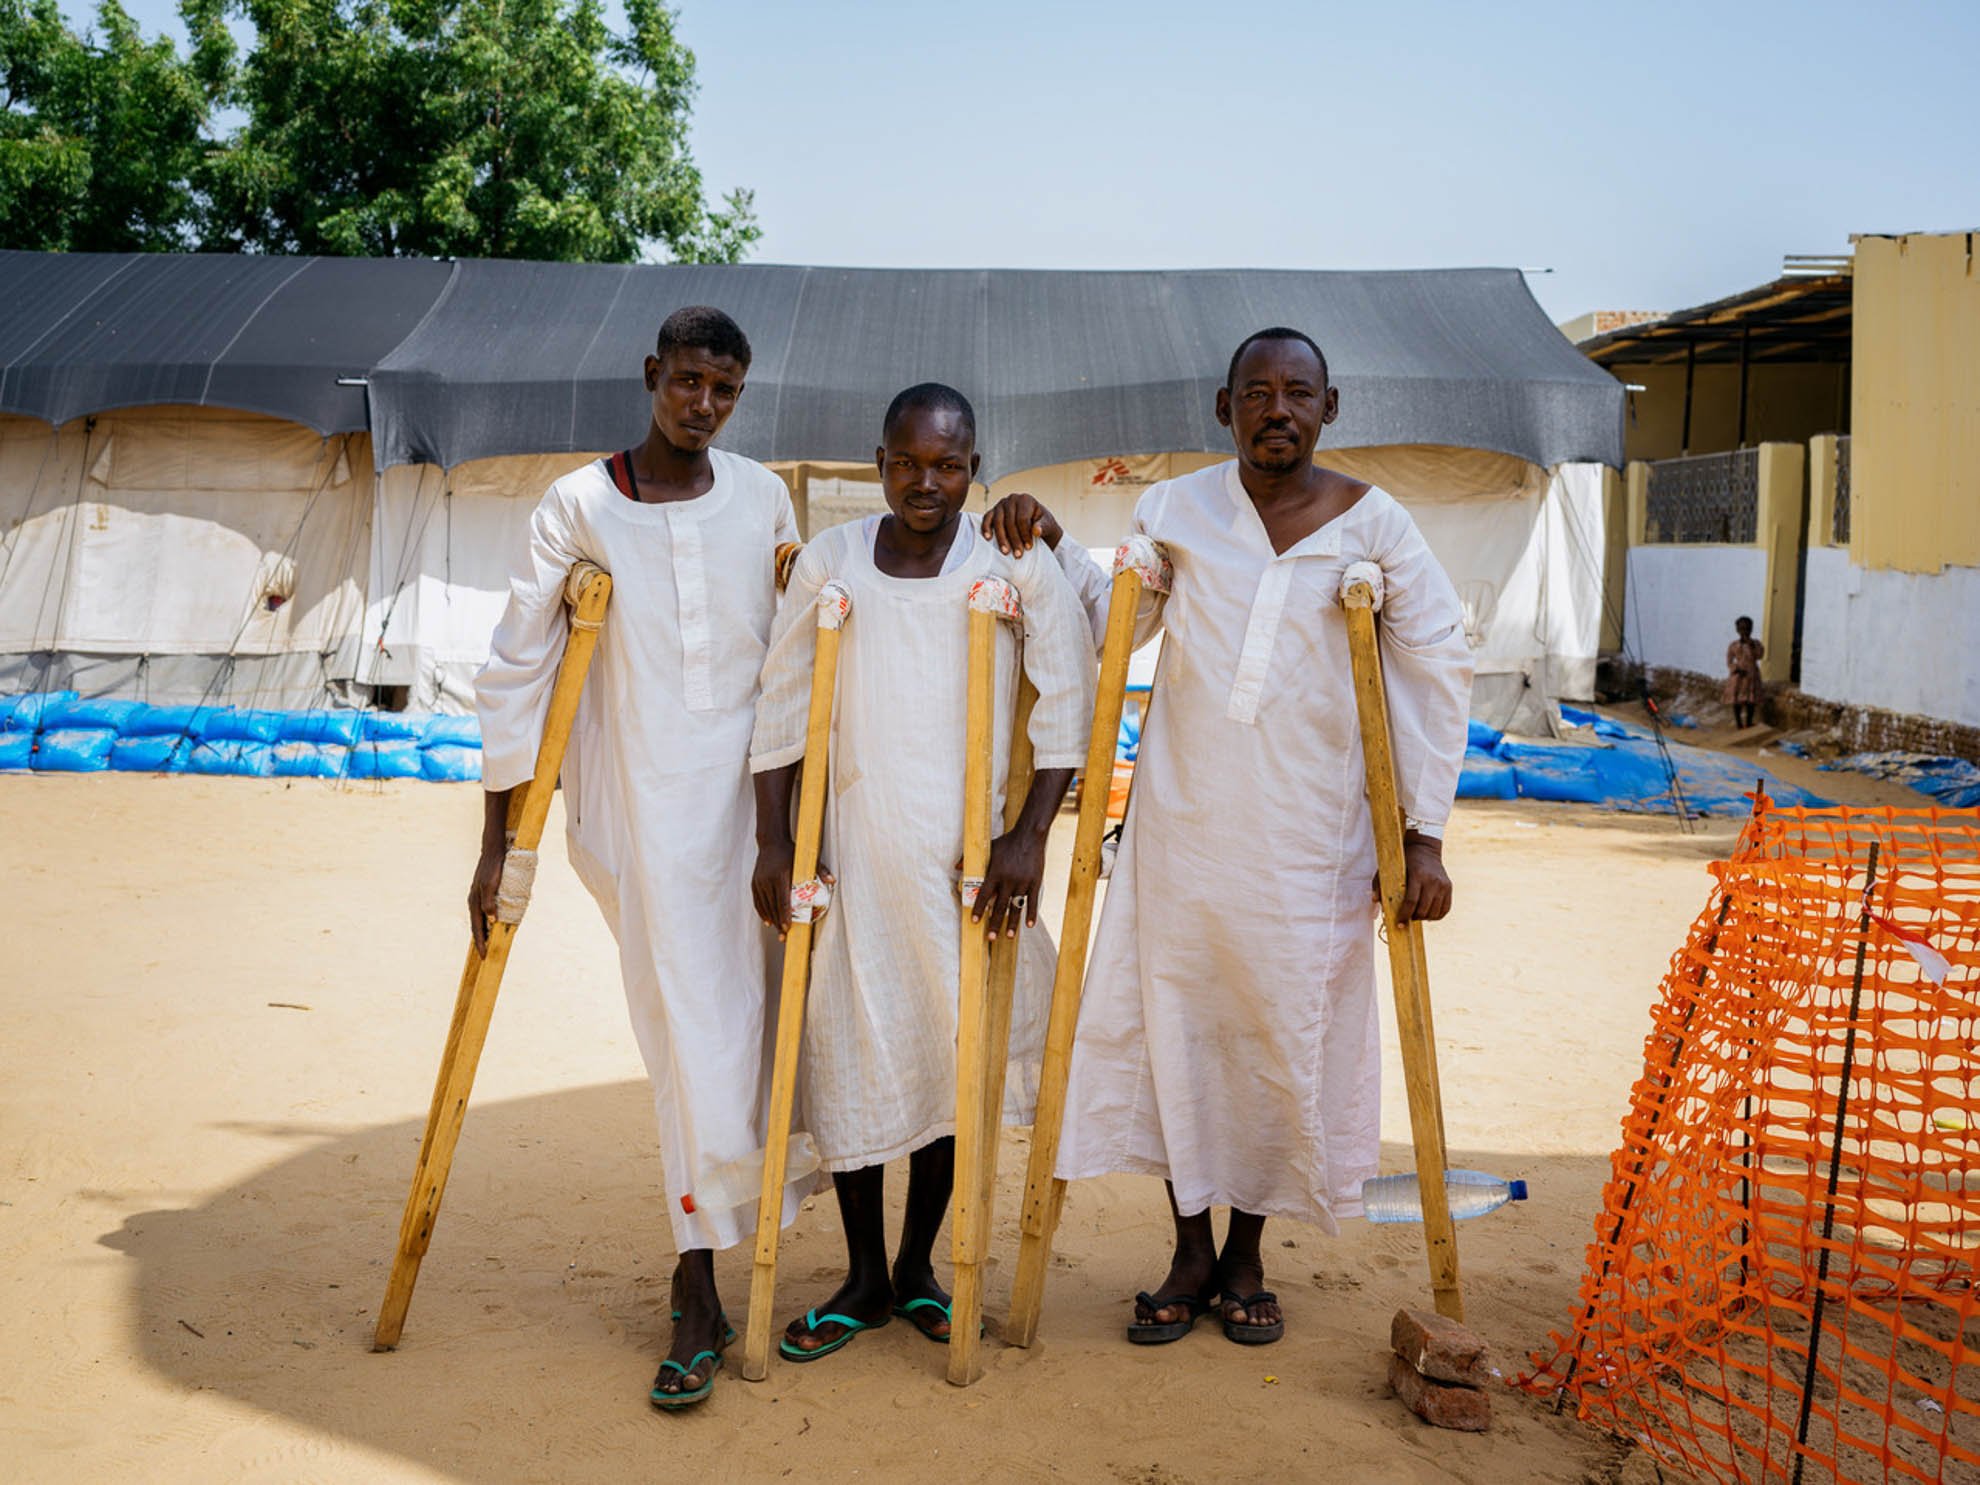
(540, 1315)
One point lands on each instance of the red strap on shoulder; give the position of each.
(619, 466)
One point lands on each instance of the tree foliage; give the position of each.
(101, 139)
(485, 128)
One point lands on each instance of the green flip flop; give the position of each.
(812, 1320)
(671, 1400)
(915, 1313)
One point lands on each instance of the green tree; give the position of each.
(101, 135)
(484, 128)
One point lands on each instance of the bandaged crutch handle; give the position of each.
(1361, 596)
(587, 590)
(1139, 566)
(808, 896)
(991, 601)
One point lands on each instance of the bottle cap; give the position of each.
(1516, 1190)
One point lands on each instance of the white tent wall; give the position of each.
(182, 554)
(1523, 547)
(442, 546)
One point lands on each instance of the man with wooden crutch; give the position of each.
(1228, 1033)
(657, 785)
(886, 1023)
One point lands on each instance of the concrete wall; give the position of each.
(1683, 600)
(1915, 403)
(1899, 641)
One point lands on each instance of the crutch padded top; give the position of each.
(992, 595)
(1358, 574)
(835, 602)
(1144, 557)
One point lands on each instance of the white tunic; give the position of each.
(657, 787)
(878, 1071)
(1228, 1036)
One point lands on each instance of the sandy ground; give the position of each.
(221, 1008)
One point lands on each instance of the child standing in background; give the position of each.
(1743, 689)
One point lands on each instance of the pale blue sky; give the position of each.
(1654, 155)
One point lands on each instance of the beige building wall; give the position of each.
(1784, 404)
(1915, 409)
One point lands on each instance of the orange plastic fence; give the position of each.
(1800, 1170)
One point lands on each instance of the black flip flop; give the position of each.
(1161, 1332)
(1251, 1335)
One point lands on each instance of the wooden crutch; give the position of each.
(588, 590)
(834, 605)
(990, 600)
(964, 1366)
(1138, 565)
(1407, 966)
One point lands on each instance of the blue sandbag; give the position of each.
(160, 754)
(1485, 777)
(97, 712)
(1556, 774)
(231, 756)
(392, 727)
(227, 724)
(1629, 775)
(1579, 716)
(16, 750)
(310, 760)
(75, 750)
(26, 713)
(1482, 736)
(320, 727)
(163, 721)
(385, 760)
(461, 732)
(449, 763)
(1952, 782)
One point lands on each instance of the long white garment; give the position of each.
(657, 788)
(878, 1073)
(1228, 1037)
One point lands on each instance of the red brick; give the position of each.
(1441, 1349)
(1441, 1403)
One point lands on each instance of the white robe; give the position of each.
(1228, 1037)
(878, 1070)
(657, 787)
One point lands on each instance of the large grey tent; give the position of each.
(268, 480)
(535, 358)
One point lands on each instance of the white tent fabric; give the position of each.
(442, 545)
(1524, 549)
(139, 558)
(182, 555)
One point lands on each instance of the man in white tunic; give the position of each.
(877, 1075)
(656, 781)
(1228, 1037)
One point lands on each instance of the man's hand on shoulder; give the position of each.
(1016, 521)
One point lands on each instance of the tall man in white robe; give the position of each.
(1228, 1037)
(656, 781)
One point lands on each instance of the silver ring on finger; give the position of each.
(1021, 901)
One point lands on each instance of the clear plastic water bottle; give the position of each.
(1471, 1193)
(741, 1181)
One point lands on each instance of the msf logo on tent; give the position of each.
(1116, 472)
